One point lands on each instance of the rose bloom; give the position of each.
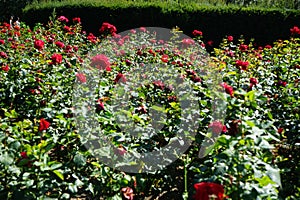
(210, 43)
(207, 191)
(165, 58)
(81, 77)
(229, 38)
(295, 30)
(2, 41)
(108, 27)
(187, 42)
(217, 127)
(39, 44)
(228, 89)
(59, 44)
(76, 20)
(120, 78)
(56, 58)
(242, 64)
(5, 68)
(243, 47)
(253, 81)
(3, 54)
(63, 19)
(44, 124)
(100, 61)
(197, 33)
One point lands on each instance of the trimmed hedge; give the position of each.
(265, 25)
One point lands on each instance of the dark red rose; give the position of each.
(44, 124)
(254, 81)
(207, 191)
(107, 27)
(63, 19)
(295, 30)
(24, 154)
(243, 47)
(77, 20)
(2, 41)
(228, 89)
(210, 43)
(92, 38)
(243, 65)
(229, 38)
(39, 44)
(5, 68)
(100, 61)
(120, 78)
(81, 77)
(197, 33)
(280, 130)
(216, 127)
(196, 79)
(56, 58)
(234, 127)
(165, 58)
(59, 44)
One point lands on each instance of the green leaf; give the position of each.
(59, 174)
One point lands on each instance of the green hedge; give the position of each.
(265, 25)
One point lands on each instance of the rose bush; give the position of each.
(43, 154)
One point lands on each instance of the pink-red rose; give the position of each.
(107, 27)
(63, 19)
(228, 89)
(243, 65)
(5, 68)
(81, 77)
(39, 44)
(217, 127)
(59, 44)
(76, 20)
(100, 61)
(197, 33)
(56, 58)
(207, 191)
(229, 38)
(295, 30)
(165, 58)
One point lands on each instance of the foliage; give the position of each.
(43, 154)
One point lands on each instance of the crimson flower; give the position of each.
(3, 54)
(217, 127)
(197, 33)
(5, 68)
(24, 154)
(228, 89)
(63, 19)
(76, 20)
(107, 27)
(165, 58)
(56, 58)
(44, 124)
(188, 42)
(100, 61)
(207, 191)
(120, 78)
(295, 30)
(253, 81)
(81, 77)
(229, 38)
(243, 47)
(280, 130)
(59, 44)
(39, 44)
(242, 64)
(2, 41)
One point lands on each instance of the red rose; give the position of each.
(281, 83)
(5, 68)
(120, 78)
(3, 54)
(44, 124)
(243, 47)
(242, 64)
(228, 89)
(280, 130)
(56, 58)
(107, 27)
(210, 43)
(39, 44)
(81, 77)
(67, 28)
(92, 38)
(24, 154)
(59, 44)
(2, 41)
(295, 30)
(206, 191)
(76, 20)
(100, 61)
(187, 42)
(127, 193)
(63, 19)
(268, 46)
(229, 38)
(216, 127)
(143, 29)
(253, 81)
(197, 33)
(165, 58)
